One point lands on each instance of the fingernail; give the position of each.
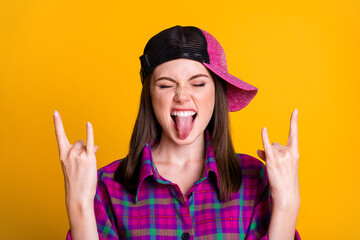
(88, 124)
(265, 130)
(55, 113)
(296, 111)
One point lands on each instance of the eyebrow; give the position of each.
(173, 80)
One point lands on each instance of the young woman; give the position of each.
(182, 178)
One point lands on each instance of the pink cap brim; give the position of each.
(240, 93)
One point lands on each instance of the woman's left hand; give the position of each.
(282, 167)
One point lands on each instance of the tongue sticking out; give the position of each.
(183, 126)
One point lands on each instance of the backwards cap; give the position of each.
(196, 44)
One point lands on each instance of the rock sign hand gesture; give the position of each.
(78, 163)
(282, 166)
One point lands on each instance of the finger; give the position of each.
(60, 132)
(293, 133)
(77, 148)
(266, 144)
(261, 154)
(89, 139)
(278, 146)
(96, 148)
(78, 144)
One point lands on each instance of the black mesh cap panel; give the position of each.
(173, 43)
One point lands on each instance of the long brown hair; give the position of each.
(148, 129)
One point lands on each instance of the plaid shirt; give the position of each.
(160, 211)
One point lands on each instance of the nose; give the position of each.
(181, 94)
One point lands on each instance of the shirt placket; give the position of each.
(185, 208)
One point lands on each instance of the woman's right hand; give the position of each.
(78, 163)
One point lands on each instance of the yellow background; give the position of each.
(81, 58)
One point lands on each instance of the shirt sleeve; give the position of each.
(260, 220)
(105, 218)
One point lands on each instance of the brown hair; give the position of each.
(148, 129)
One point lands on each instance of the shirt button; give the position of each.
(189, 195)
(185, 236)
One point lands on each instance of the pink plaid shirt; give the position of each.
(160, 211)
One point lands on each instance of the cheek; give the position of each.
(206, 102)
(161, 105)
(209, 99)
(155, 100)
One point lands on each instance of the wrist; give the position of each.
(288, 205)
(286, 200)
(75, 203)
(77, 211)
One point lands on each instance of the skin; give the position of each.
(78, 163)
(181, 84)
(179, 160)
(282, 164)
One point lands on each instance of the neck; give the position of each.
(170, 152)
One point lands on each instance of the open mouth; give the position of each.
(183, 122)
(183, 114)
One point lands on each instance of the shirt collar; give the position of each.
(148, 168)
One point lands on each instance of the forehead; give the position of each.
(180, 69)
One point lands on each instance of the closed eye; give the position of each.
(165, 86)
(199, 85)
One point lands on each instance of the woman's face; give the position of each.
(183, 97)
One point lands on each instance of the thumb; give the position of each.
(96, 148)
(261, 154)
